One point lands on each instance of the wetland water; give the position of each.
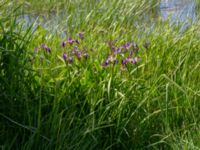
(176, 10)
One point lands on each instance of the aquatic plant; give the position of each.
(123, 54)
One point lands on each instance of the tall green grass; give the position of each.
(15, 73)
(46, 104)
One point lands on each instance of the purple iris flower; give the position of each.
(75, 49)
(124, 61)
(48, 50)
(70, 41)
(129, 58)
(70, 60)
(81, 35)
(78, 54)
(65, 56)
(77, 42)
(63, 44)
(131, 53)
(106, 63)
(116, 50)
(133, 61)
(126, 46)
(45, 47)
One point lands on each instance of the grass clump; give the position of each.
(106, 83)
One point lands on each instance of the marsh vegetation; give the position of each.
(98, 74)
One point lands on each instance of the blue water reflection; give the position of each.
(178, 10)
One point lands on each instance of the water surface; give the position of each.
(175, 10)
(178, 10)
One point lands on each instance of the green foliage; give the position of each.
(46, 103)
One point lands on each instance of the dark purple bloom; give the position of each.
(133, 61)
(70, 60)
(75, 49)
(45, 47)
(65, 56)
(116, 50)
(48, 50)
(79, 55)
(77, 42)
(128, 58)
(126, 46)
(81, 35)
(106, 63)
(131, 53)
(70, 41)
(63, 44)
(124, 61)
